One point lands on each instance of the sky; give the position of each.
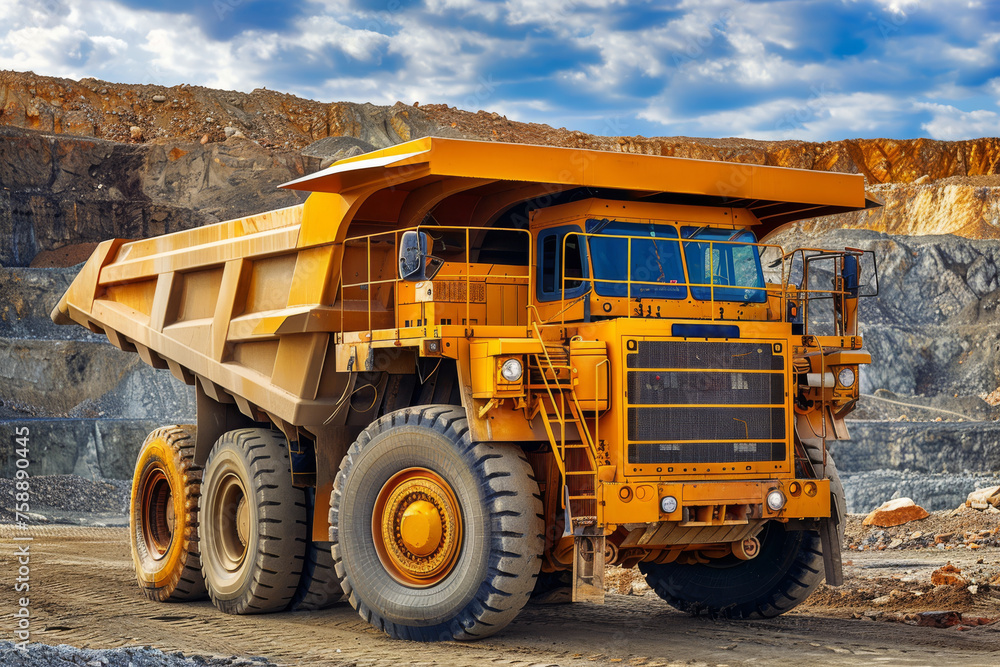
(769, 69)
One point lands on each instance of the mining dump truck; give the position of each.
(462, 374)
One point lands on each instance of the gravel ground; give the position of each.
(129, 656)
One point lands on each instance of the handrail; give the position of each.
(804, 293)
(575, 410)
(394, 237)
(561, 445)
(629, 281)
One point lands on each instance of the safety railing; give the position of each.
(845, 269)
(389, 245)
(632, 285)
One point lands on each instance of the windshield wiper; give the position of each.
(599, 225)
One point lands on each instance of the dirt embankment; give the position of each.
(929, 187)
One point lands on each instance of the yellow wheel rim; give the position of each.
(157, 513)
(417, 527)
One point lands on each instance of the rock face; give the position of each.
(49, 371)
(137, 113)
(90, 448)
(57, 191)
(84, 161)
(867, 490)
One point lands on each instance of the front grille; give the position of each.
(683, 395)
(705, 452)
(697, 423)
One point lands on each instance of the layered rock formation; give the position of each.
(57, 191)
(88, 160)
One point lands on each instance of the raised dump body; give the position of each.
(463, 363)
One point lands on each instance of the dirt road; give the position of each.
(83, 593)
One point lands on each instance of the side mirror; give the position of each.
(414, 249)
(849, 273)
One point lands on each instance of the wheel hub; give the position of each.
(417, 527)
(421, 528)
(232, 517)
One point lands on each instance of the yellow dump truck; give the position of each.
(463, 374)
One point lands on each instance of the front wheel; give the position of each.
(785, 572)
(435, 537)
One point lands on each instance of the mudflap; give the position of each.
(830, 539)
(588, 567)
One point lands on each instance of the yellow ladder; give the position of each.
(577, 459)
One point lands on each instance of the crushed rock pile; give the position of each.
(129, 656)
(53, 496)
(961, 528)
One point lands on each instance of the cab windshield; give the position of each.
(726, 269)
(720, 263)
(656, 258)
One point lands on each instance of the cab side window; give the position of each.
(561, 252)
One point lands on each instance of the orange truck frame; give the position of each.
(464, 374)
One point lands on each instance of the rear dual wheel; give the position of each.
(254, 524)
(256, 553)
(435, 537)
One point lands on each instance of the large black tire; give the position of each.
(787, 570)
(490, 516)
(319, 587)
(163, 517)
(253, 528)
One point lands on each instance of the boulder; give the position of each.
(895, 513)
(948, 575)
(980, 499)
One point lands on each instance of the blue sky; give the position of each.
(776, 69)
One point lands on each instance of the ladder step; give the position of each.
(580, 472)
(583, 497)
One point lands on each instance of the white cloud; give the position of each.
(951, 124)
(815, 119)
(712, 67)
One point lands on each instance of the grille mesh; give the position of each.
(663, 387)
(709, 373)
(697, 423)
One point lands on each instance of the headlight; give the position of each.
(511, 370)
(846, 377)
(775, 500)
(668, 504)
